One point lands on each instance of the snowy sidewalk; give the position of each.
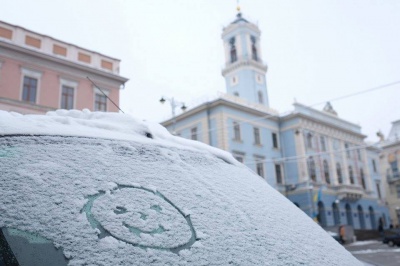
(374, 252)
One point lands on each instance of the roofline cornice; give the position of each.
(62, 61)
(293, 115)
(216, 103)
(57, 40)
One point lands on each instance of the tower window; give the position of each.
(233, 50)
(260, 97)
(254, 55)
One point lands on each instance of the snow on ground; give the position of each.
(362, 243)
(121, 198)
(372, 251)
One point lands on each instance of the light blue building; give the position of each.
(317, 160)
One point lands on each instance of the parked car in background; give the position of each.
(392, 237)
(83, 188)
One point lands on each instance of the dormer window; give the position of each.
(233, 50)
(254, 55)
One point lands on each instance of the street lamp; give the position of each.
(174, 104)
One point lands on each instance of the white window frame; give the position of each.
(68, 83)
(257, 141)
(259, 160)
(31, 73)
(98, 91)
(282, 175)
(235, 123)
(194, 133)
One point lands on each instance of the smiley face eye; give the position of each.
(120, 210)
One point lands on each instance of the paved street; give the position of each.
(375, 253)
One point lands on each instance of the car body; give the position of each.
(83, 188)
(392, 238)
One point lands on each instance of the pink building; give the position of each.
(39, 73)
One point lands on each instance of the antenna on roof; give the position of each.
(94, 84)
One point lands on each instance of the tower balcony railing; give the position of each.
(243, 61)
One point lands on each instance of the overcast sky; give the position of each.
(315, 50)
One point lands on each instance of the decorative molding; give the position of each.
(244, 63)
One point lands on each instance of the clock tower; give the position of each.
(244, 72)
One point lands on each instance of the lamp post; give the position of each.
(174, 104)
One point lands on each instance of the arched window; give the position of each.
(339, 173)
(326, 172)
(372, 217)
(260, 97)
(336, 213)
(311, 168)
(254, 55)
(362, 179)
(361, 216)
(349, 214)
(233, 50)
(351, 175)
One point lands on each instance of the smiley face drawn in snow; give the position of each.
(140, 217)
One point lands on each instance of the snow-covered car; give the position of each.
(83, 188)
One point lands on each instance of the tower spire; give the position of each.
(238, 6)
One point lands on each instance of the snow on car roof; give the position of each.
(98, 124)
(121, 198)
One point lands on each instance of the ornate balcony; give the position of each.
(348, 192)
